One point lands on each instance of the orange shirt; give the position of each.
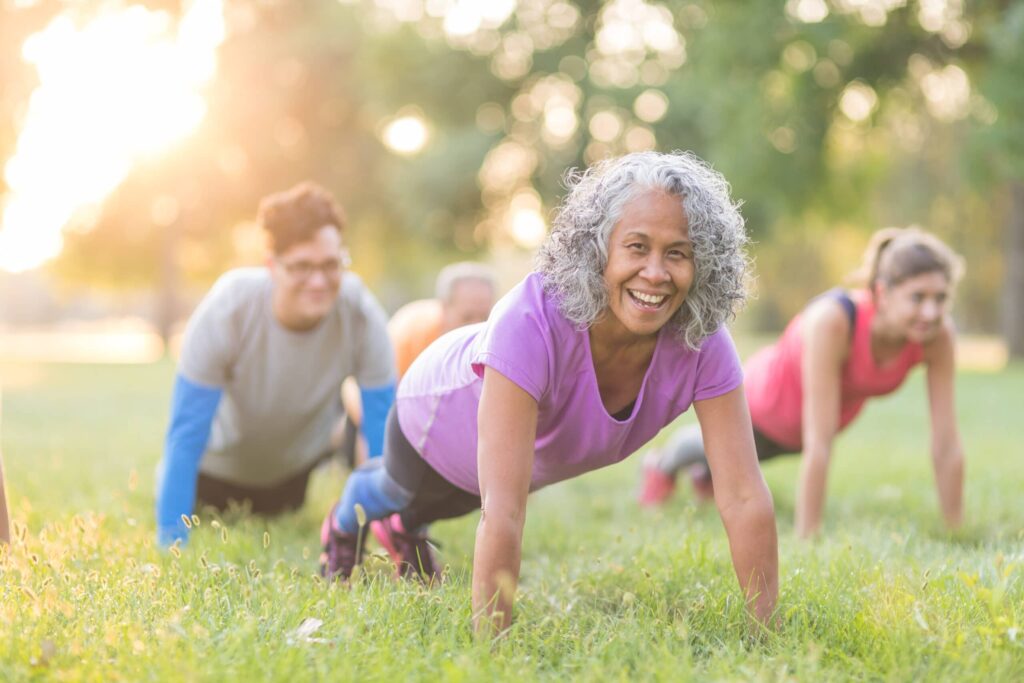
(413, 328)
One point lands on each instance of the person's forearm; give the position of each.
(5, 522)
(496, 562)
(175, 496)
(376, 402)
(810, 496)
(193, 407)
(753, 542)
(949, 479)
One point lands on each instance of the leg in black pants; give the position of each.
(431, 496)
(400, 494)
(287, 495)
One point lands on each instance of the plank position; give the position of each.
(845, 348)
(257, 393)
(618, 331)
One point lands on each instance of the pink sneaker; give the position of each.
(700, 480)
(656, 487)
(411, 552)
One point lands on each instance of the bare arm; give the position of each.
(825, 344)
(947, 451)
(743, 499)
(5, 525)
(5, 522)
(507, 420)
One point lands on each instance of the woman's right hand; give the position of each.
(507, 423)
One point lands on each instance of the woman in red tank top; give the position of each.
(841, 350)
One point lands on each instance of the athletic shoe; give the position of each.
(656, 487)
(700, 480)
(340, 551)
(411, 552)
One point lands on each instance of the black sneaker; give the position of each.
(340, 551)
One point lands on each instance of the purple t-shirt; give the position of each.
(529, 341)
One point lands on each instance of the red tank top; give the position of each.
(774, 385)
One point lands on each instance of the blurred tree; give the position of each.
(999, 150)
(829, 118)
(292, 101)
(855, 114)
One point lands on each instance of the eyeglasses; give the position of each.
(301, 270)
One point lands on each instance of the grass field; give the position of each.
(609, 591)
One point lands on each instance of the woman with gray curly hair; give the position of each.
(618, 331)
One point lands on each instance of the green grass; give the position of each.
(609, 591)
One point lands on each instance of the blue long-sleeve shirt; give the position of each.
(193, 407)
(377, 402)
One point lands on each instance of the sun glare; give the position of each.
(525, 222)
(113, 90)
(858, 101)
(405, 135)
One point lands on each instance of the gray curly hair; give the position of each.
(573, 258)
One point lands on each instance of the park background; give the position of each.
(136, 139)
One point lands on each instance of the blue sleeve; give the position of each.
(376, 404)
(193, 407)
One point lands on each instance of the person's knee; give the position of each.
(371, 485)
(686, 448)
(393, 490)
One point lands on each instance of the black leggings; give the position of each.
(287, 495)
(433, 496)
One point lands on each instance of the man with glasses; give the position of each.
(256, 395)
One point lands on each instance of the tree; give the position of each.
(1002, 154)
(824, 117)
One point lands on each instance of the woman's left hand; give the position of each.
(743, 499)
(947, 452)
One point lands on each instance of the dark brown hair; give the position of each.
(295, 215)
(897, 254)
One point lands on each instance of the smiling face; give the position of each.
(307, 277)
(650, 265)
(915, 307)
